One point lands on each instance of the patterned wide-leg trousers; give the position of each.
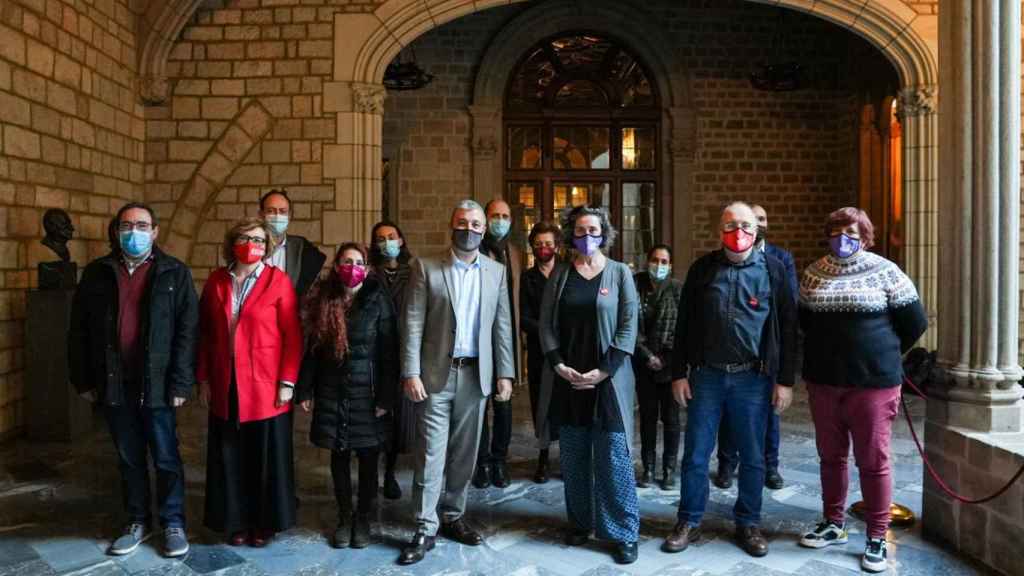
(600, 487)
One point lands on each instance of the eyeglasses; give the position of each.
(739, 225)
(141, 226)
(245, 239)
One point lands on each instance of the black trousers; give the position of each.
(495, 436)
(341, 473)
(656, 403)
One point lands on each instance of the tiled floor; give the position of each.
(59, 507)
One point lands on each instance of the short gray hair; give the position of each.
(572, 214)
(467, 204)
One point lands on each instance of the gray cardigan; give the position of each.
(617, 310)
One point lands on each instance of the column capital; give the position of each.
(682, 149)
(917, 101)
(153, 90)
(368, 98)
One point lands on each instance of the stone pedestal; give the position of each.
(53, 410)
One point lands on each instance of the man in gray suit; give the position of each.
(456, 345)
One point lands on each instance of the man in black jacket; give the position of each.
(734, 355)
(131, 346)
(297, 256)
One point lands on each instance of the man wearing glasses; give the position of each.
(131, 347)
(735, 350)
(295, 255)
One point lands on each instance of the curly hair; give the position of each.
(545, 227)
(572, 214)
(325, 309)
(844, 217)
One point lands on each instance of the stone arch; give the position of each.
(247, 130)
(158, 29)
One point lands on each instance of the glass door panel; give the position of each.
(525, 200)
(576, 193)
(638, 201)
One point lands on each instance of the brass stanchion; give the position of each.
(901, 515)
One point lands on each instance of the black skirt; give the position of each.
(250, 476)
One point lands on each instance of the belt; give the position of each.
(464, 361)
(734, 368)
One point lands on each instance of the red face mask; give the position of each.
(544, 253)
(737, 240)
(249, 253)
(351, 274)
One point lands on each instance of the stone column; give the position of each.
(916, 109)
(488, 156)
(354, 162)
(980, 192)
(681, 149)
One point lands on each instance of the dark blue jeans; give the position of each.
(728, 455)
(137, 430)
(742, 398)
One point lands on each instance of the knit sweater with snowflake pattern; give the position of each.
(859, 316)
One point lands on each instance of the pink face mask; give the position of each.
(351, 274)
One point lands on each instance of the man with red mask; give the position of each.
(735, 350)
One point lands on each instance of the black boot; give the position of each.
(482, 476)
(647, 478)
(343, 532)
(499, 475)
(724, 477)
(773, 480)
(361, 530)
(668, 481)
(391, 490)
(541, 476)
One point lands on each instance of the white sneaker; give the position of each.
(874, 559)
(824, 534)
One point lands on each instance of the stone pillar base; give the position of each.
(974, 464)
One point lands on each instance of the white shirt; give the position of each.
(240, 289)
(466, 303)
(279, 257)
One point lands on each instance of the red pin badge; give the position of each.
(604, 291)
(753, 302)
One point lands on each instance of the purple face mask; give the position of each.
(588, 244)
(844, 246)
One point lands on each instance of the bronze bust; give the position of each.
(59, 274)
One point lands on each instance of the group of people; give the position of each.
(393, 354)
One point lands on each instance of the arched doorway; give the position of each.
(581, 126)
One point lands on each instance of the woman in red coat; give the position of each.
(250, 348)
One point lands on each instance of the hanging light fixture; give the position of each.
(777, 75)
(406, 74)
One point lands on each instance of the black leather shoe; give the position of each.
(416, 549)
(625, 552)
(499, 475)
(723, 479)
(482, 476)
(391, 489)
(577, 537)
(668, 481)
(541, 475)
(646, 479)
(773, 480)
(460, 532)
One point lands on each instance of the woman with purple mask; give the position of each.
(588, 331)
(859, 313)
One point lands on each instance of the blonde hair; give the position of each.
(241, 227)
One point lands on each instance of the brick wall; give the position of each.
(72, 138)
(238, 68)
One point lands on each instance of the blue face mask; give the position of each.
(499, 227)
(844, 246)
(136, 243)
(278, 223)
(659, 271)
(587, 245)
(390, 248)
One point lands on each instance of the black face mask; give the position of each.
(466, 240)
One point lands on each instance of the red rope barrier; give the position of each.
(931, 470)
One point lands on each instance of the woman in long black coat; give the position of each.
(349, 380)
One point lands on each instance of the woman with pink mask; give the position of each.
(350, 381)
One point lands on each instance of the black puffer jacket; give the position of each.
(345, 394)
(170, 318)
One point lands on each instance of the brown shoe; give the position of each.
(680, 538)
(752, 541)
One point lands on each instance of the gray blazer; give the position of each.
(617, 310)
(428, 335)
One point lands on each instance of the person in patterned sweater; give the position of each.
(860, 313)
